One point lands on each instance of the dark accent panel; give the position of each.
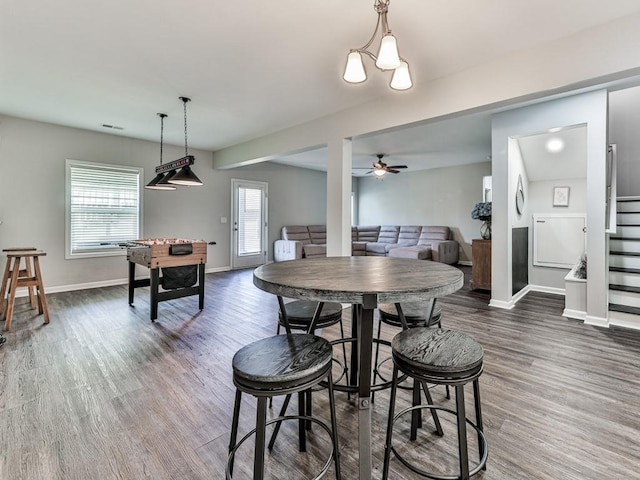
(519, 258)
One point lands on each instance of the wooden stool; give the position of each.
(27, 272)
(24, 278)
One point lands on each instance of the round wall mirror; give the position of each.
(519, 196)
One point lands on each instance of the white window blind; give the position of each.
(103, 207)
(249, 221)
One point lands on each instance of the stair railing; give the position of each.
(611, 193)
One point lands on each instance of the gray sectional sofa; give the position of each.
(407, 241)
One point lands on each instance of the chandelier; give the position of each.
(388, 57)
(179, 171)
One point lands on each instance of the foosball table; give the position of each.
(182, 262)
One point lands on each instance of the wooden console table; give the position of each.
(481, 270)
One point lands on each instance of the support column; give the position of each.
(339, 160)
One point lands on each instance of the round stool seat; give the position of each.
(414, 314)
(300, 313)
(437, 352)
(281, 362)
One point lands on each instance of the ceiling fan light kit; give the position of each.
(388, 57)
(179, 171)
(380, 169)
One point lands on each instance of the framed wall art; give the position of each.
(560, 196)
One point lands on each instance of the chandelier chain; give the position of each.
(162, 117)
(185, 100)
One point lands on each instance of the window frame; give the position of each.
(108, 251)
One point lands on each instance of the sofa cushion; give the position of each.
(433, 233)
(368, 233)
(314, 250)
(409, 234)
(389, 234)
(376, 248)
(318, 234)
(418, 252)
(296, 232)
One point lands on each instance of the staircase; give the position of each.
(624, 264)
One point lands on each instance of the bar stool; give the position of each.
(441, 357)
(282, 365)
(26, 272)
(300, 314)
(17, 278)
(414, 315)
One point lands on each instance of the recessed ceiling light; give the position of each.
(555, 145)
(555, 129)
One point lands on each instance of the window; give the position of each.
(249, 221)
(104, 208)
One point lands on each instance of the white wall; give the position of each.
(589, 109)
(624, 129)
(440, 196)
(541, 202)
(32, 197)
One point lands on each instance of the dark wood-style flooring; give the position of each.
(103, 393)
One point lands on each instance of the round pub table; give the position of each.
(364, 282)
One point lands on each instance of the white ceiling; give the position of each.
(252, 67)
(543, 164)
(451, 142)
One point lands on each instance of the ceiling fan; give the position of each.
(380, 169)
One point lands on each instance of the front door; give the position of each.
(249, 232)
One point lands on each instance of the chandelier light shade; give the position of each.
(388, 57)
(401, 79)
(155, 183)
(354, 71)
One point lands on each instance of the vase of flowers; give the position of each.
(482, 211)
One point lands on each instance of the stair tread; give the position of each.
(624, 269)
(619, 252)
(624, 288)
(624, 308)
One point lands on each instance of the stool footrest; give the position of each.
(315, 420)
(479, 466)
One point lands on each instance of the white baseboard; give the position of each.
(22, 292)
(596, 321)
(466, 263)
(543, 289)
(577, 314)
(626, 320)
(501, 304)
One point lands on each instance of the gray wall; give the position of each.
(624, 125)
(32, 197)
(297, 196)
(440, 196)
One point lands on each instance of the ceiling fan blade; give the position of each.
(390, 170)
(397, 166)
